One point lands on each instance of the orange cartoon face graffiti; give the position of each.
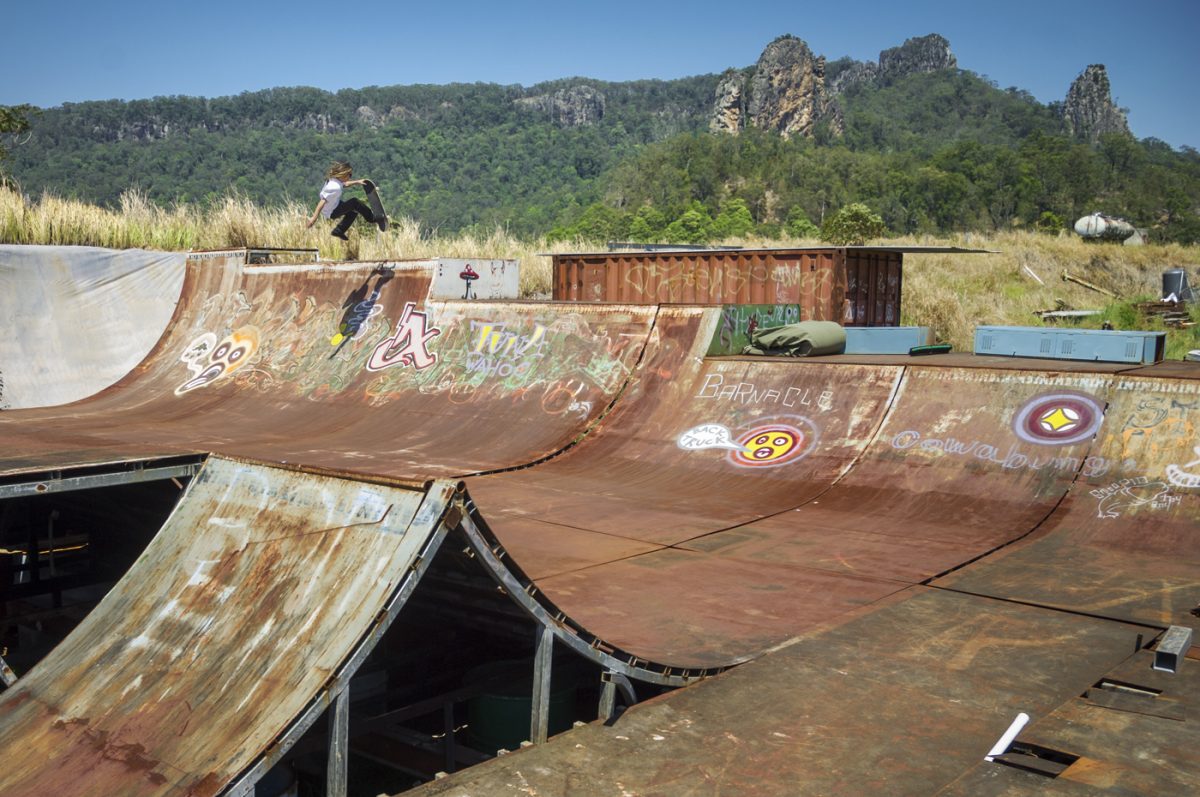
(210, 360)
(770, 442)
(768, 445)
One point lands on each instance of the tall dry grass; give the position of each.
(1020, 272)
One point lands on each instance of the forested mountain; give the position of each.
(927, 145)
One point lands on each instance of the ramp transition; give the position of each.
(78, 318)
(668, 514)
(348, 369)
(251, 606)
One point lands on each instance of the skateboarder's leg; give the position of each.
(348, 210)
(345, 214)
(356, 205)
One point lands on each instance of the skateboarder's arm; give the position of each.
(357, 182)
(316, 213)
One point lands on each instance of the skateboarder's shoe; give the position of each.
(340, 234)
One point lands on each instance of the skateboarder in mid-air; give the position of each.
(333, 206)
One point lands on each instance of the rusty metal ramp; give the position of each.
(78, 318)
(238, 625)
(901, 699)
(347, 368)
(736, 503)
(1125, 543)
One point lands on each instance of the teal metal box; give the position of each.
(885, 340)
(1071, 344)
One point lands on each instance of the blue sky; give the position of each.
(73, 51)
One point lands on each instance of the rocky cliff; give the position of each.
(729, 110)
(575, 106)
(787, 91)
(1089, 111)
(916, 56)
(784, 92)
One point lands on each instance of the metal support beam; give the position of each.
(608, 693)
(608, 701)
(539, 722)
(491, 555)
(339, 743)
(56, 483)
(448, 727)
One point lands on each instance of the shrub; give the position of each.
(853, 225)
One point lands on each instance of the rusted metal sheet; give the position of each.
(1169, 369)
(966, 360)
(78, 318)
(813, 279)
(260, 587)
(901, 700)
(874, 281)
(616, 531)
(966, 461)
(1131, 732)
(342, 367)
(1126, 542)
(854, 286)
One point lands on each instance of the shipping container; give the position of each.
(851, 285)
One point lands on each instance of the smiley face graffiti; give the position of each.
(210, 360)
(768, 444)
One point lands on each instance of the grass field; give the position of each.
(1022, 271)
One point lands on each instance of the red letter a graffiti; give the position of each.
(408, 345)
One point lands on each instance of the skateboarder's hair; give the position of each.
(338, 169)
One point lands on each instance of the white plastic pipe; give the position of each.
(1002, 744)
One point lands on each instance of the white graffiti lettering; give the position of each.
(715, 387)
(709, 435)
(1011, 460)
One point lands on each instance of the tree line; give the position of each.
(934, 153)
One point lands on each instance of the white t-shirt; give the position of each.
(332, 194)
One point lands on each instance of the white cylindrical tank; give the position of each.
(1097, 225)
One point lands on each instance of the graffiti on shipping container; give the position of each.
(740, 321)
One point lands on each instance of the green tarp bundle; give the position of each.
(805, 339)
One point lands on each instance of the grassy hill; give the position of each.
(937, 153)
(950, 293)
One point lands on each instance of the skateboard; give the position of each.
(381, 219)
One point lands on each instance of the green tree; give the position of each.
(853, 225)
(694, 226)
(734, 220)
(1050, 223)
(14, 121)
(798, 224)
(648, 225)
